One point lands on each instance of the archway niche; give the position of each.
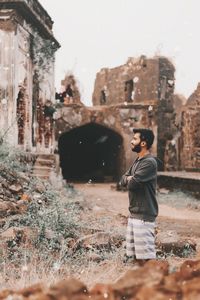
(91, 152)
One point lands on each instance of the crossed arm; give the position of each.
(146, 171)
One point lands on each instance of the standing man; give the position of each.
(141, 179)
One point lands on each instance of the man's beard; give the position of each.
(137, 148)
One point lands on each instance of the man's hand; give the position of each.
(128, 178)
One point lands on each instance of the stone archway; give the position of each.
(91, 152)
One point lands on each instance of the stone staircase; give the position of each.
(44, 165)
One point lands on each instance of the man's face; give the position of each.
(136, 143)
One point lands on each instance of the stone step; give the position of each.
(44, 165)
(41, 176)
(46, 156)
(44, 162)
(42, 170)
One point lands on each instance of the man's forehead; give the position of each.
(136, 135)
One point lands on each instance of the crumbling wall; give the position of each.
(71, 93)
(135, 82)
(27, 60)
(190, 135)
(167, 129)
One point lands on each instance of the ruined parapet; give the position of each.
(71, 93)
(27, 59)
(135, 82)
(190, 135)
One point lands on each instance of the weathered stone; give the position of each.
(40, 187)
(169, 242)
(183, 280)
(8, 208)
(15, 188)
(191, 289)
(22, 206)
(104, 291)
(41, 296)
(19, 234)
(67, 288)
(154, 293)
(2, 222)
(30, 291)
(95, 257)
(5, 294)
(151, 274)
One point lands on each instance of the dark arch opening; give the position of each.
(90, 152)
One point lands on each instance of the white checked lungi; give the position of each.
(140, 239)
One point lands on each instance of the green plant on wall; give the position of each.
(42, 53)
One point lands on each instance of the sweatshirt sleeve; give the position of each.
(145, 172)
(123, 181)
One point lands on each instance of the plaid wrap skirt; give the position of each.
(140, 239)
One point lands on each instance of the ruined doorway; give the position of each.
(91, 153)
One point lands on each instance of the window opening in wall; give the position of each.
(103, 97)
(143, 61)
(69, 94)
(129, 90)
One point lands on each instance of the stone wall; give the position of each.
(126, 83)
(190, 135)
(166, 115)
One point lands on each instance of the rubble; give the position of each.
(153, 281)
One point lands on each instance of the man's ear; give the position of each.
(143, 143)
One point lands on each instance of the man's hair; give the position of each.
(146, 135)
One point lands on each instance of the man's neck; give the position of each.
(143, 152)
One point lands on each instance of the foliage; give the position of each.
(15, 158)
(42, 54)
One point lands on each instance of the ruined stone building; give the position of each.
(27, 50)
(94, 142)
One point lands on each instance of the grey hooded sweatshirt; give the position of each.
(142, 188)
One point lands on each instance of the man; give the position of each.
(141, 180)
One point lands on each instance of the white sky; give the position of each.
(103, 33)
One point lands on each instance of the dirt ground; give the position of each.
(179, 219)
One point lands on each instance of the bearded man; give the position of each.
(141, 180)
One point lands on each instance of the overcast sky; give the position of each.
(103, 33)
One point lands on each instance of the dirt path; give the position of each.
(106, 197)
